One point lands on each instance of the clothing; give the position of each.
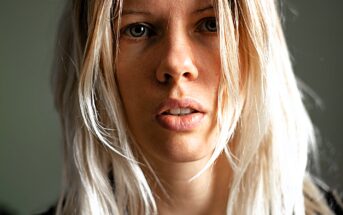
(332, 197)
(334, 200)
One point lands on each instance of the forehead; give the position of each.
(161, 6)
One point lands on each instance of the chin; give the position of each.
(181, 148)
(159, 144)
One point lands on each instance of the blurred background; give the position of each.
(30, 138)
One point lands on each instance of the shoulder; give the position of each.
(320, 198)
(332, 197)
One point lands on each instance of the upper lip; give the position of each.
(179, 103)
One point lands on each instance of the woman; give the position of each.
(181, 107)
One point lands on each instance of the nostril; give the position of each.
(163, 77)
(171, 70)
(187, 75)
(166, 78)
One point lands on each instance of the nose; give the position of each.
(177, 61)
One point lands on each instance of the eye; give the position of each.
(208, 25)
(138, 30)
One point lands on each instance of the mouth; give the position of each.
(180, 115)
(179, 111)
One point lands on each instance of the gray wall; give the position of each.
(29, 130)
(30, 152)
(314, 31)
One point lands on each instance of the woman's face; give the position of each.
(168, 74)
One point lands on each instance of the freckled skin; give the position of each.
(177, 61)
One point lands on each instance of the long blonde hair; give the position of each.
(265, 131)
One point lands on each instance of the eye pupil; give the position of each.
(137, 31)
(211, 25)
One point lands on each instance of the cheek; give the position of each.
(133, 68)
(127, 80)
(136, 86)
(210, 65)
(128, 70)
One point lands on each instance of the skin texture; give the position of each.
(190, 60)
(178, 58)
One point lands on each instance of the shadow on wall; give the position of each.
(4, 210)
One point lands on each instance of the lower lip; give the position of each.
(180, 123)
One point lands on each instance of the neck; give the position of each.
(207, 194)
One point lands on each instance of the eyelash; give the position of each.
(148, 31)
(205, 21)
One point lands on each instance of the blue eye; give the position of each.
(138, 30)
(208, 24)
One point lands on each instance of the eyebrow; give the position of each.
(130, 11)
(209, 7)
